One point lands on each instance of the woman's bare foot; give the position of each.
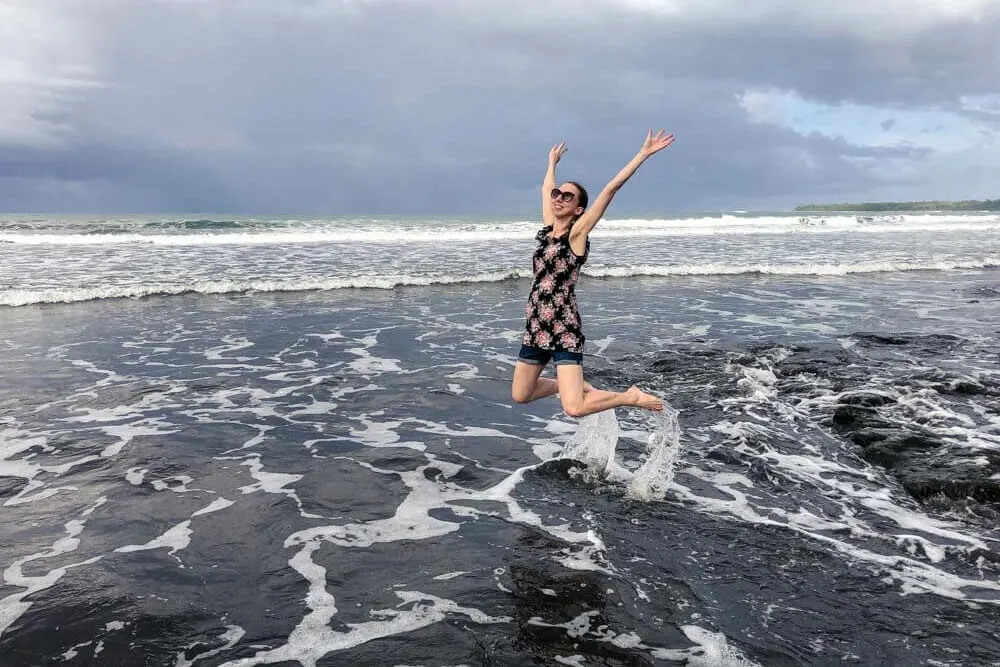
(640, 399)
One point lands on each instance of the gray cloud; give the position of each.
(447, 107)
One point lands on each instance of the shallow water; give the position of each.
(340, 478)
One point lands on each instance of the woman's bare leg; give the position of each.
(528, 386)
(578, 401)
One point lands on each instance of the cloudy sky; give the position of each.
(450, 106)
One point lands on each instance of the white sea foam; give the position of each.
(217, 504)
(178, 537)
(711, 649)
(73, 652)
(230, 637)
(804, 269)
(175, 539)
(27, 296)
(313, 638)
(23, 296)
(273, 482)
(389, 233)
(135, 475)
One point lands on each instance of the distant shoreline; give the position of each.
(879, 207)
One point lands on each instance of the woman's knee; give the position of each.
(521, 394)
(573, 407)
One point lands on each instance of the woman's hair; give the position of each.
(583, 199)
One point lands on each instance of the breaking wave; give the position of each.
(29, 296)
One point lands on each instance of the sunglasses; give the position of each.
(559, 194)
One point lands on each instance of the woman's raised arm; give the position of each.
(653, 144)
(548, 218)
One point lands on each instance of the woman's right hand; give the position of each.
(557, 152)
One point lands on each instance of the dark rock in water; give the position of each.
(866, 398)
(846, 417)
(881, 339)
(556, 468)
(897, 448)
(867, 436)
(923, 486)
(899, 435)
(917, 457)
(10, 486)
(724, 454)
(984, 291)
(985, 554)
(926, 345)
(761, 472)
(968, 388)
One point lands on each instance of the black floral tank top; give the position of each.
(553, 320)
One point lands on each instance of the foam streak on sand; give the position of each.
(313, 638)
(711, 649)
(13, 606)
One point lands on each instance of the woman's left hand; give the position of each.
(655, 143)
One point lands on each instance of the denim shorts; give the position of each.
(539, 357)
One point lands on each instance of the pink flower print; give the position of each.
(546, 313)
(561, 265)
(568, 341)
(547, 284)
(558, 328)
(544, 339)
(572, 319)
(551, 251)
(538, 265)
(533, 325)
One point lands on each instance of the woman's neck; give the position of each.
(560, 227)
(562, 224)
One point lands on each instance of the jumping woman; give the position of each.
(553, 330)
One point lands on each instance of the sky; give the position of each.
(435, 107)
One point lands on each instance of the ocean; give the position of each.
(284, 441)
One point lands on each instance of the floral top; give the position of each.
(553, 319)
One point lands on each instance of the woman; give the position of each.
(552, 330)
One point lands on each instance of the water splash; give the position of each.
(594, 445)
(594, 442)
(651, 481)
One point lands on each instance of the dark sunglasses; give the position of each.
(559, 194)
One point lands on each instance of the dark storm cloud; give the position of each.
(397, 107)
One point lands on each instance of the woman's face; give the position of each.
(566, 200)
